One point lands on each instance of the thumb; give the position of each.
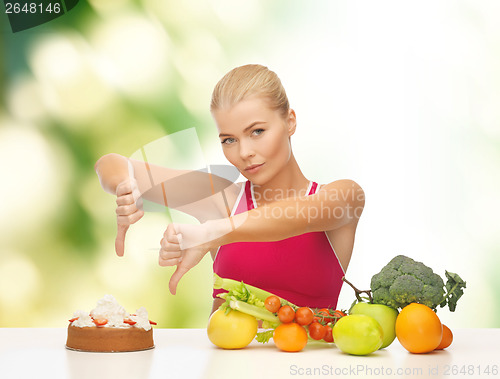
(176, 276)
(120, 239)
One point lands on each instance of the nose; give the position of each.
(246, 150)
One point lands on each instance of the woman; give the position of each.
(283, 233)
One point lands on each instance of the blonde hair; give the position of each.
(248, 80)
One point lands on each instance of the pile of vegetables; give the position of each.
(275, 312)
(403, 284)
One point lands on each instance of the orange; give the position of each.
(418, 328)
(290, 337)
(447, 338)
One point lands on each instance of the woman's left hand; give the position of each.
(183, 245)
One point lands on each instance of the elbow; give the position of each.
(106, 158)
(357, 201)
(348, 206)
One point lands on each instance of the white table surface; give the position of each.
(187, 353)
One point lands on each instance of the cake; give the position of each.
(109, 328)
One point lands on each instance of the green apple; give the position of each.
(385, 316)
(357, 334)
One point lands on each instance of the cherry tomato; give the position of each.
(304, 316)
(286, 314)
(272, 303)
(338, 314)
(323, 316)
(317, 331)
(328, 335)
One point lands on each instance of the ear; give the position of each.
(291, 122)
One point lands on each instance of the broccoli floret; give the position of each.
(403, 281)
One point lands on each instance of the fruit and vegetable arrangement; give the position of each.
(401, 303)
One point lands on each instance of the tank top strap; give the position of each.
(245, 201)
(314, 187)
(248, 195)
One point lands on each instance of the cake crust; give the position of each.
(109, 339)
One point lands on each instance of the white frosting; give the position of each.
(109, 309)
(83, 319)
(142, 319)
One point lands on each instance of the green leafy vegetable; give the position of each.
(265, 336)
(256, 311)
(454, 290)
(245, 292)
(403, 281)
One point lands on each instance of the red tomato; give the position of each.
(339, 314)
(317, 331)
(286, 314)
(304, 316)
(272, 303)
(323, 316)
(328, 335)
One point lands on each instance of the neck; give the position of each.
(290, 182)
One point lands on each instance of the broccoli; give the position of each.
(403, 281)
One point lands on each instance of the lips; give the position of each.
(253, 168)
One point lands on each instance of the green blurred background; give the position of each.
(401, 98)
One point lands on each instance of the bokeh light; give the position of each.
(22, 277)
(25, 100)
(403, 98)
(135, 49)
(33, 185)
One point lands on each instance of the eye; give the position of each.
(257, 132)
(228, 141)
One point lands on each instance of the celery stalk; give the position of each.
(252, 310)
(230, 284)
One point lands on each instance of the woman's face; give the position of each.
(255, 138)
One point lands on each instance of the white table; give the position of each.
(187, 353)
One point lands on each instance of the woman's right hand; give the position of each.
(128, 211)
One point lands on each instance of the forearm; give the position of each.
(112, 169)
(334, 206)
(272, 222)
(281, 220)
(189, 191)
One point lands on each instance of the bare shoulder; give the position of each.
(344, 189)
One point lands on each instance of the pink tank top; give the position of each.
(303, 269)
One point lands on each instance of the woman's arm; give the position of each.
(336, 205)
(191, 192)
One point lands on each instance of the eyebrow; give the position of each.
(244, 130)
